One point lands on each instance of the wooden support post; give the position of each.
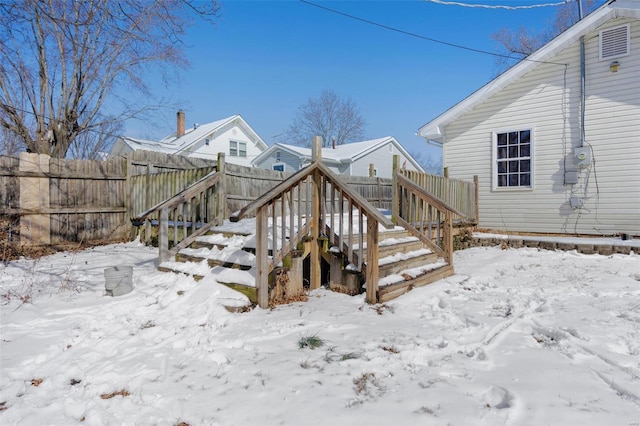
(335, 273)
(372, 170)
(262, 258)
(372, 261)
(445, 172)
(163, 235)
(35, 227)
(316, 270)
(295, 285)
(395, 197)
(476, 197)
(447, 242)
(222, 190)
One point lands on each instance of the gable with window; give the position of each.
(513, 159)
(237, 149)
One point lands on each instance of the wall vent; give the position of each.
(615, 42)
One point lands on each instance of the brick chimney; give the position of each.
(180, 129)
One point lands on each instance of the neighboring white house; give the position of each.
(541, 166)
(351, 159)
(231, 135)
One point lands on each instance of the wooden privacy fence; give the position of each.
(57, 201)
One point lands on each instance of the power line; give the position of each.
(446, 43)
(497, 6)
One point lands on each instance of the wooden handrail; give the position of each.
(274, 193)
(212, 178)
(314, 179)
(358, 199)
(426, 196)
(412, 216)
(193, 211)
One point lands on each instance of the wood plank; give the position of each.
(372, 261)
(392, 291)
(262, 273)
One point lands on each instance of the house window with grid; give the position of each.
(513, 159)
(237, 149)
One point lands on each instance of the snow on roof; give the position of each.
(341, 153)
(195, 133)
(173, 145)
(142, 144)
(433, 130)
(344, 153)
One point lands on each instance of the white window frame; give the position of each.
(237, 150)
(274, 165)
(628, 42)
(495, 160)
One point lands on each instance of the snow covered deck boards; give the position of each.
(404, 263)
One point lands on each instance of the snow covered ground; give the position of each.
(517, 337)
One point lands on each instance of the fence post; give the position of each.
(35, 221)
(316, 156)
(222, 189)
(395, 196)
(372, 170)
(128, 196)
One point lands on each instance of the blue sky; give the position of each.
(263, 59)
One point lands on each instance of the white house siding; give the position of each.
(220, 143)
(291, 161)
(382, 159)
(539, 100)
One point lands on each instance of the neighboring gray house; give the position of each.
(231, 135)
(550, 157)
(351, 159)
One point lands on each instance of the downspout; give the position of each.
(582, 81)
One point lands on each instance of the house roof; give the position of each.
(346, 153)
(174, 145)
(434, 130)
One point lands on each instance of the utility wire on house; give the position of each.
(446, 43)
(497, 6)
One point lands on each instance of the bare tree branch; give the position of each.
(522, 43)
(62, 62)
(329, 117)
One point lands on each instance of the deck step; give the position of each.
(185, 257)
(400, 261)
(391, 291)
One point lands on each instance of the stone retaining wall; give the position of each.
(515, 242)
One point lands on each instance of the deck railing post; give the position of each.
(447, 241)
(372, 261)
(222, 189)
(316, 272)
(395, 196)
(262, 257)
(163, 235)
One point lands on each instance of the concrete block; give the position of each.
(585, 249)
(604, 249)
(548, 245)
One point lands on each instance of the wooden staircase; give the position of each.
(351, 246)
(404, 263)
